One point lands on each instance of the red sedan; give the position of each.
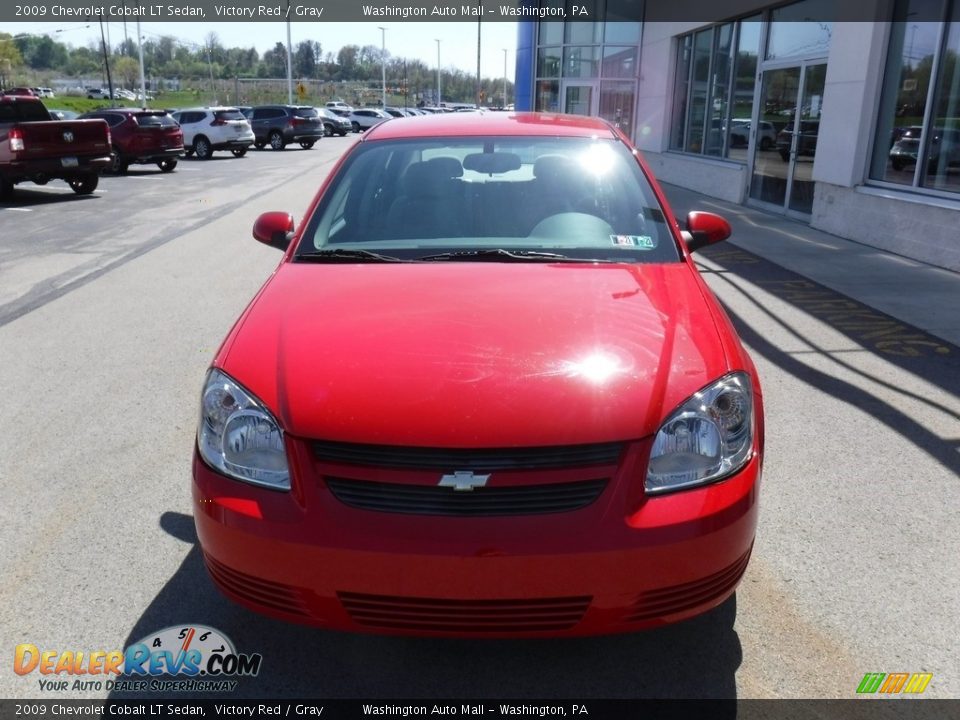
(485, 393)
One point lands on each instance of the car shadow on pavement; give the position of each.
(28, 196)
(694, 659)
(898, 343)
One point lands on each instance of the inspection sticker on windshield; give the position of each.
(644, 242)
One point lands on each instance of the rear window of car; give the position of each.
(155, 120)
(11, 112)
(229, 115)
(306, 112)
(583, 198)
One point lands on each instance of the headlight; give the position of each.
(707, 438)
(238, 436)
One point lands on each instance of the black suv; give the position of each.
(282, 124)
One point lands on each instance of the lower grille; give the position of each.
(479, 502)
(267, 594)
(678, 598)
(467, 616)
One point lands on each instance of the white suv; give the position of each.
(214, 128)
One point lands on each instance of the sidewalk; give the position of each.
(921, 295)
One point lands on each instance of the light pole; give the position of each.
(438, 71)
(504, 78)
(289, 60)
(383, 68)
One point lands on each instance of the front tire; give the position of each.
(118, 166)
(327, 131)
(167, 164)
(202, 147)
(276, 141)
(84, 185)
(307, 144)
(239, 152)
(356, 126)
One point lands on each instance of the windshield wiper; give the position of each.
(503, 255)
(345, 255)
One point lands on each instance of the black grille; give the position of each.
(476, 460)
(466, 616)
(479, 502)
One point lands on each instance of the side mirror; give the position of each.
(705, 229)
(274, 229)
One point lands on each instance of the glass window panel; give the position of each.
(702, 45)
(719, 100)
(580, 62)
(798, 30)
(551, 33)
(943, 149)
(548, 96)
(680, 92)
(619, 62)
(622, 32)
(582, 33)
(548, 62)
(903, 99)
(578, 100)
(744, 88)
(617, 103)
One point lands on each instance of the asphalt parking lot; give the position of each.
(111, 307)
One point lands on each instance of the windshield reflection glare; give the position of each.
(583, 198)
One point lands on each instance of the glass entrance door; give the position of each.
(579, 98)
(791, 100)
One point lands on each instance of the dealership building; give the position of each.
(850, 125)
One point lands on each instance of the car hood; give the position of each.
(475, 354)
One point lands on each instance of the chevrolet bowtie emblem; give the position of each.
(463, 480)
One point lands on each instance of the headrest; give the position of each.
(422, 178)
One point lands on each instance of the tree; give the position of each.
(10, 58)
(305, 58)
(274, 62)
(127, 70)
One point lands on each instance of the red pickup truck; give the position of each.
(35, 148)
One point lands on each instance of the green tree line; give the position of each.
(169, 58)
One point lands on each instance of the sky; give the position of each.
(458, 40)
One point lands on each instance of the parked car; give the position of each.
(944, 143)
(22, 91)
(485, 393)
(806, 141)
(279, 125)
(365, 118)
(340, 108)
(740, 134)
(334, 124)
(142, 137)
(34, 147)
(206, 129)
(100, 94)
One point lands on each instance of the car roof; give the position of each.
(480, 124)
(215, 108)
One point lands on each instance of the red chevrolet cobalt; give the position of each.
(485, 393)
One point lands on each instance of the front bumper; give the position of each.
(623, 563)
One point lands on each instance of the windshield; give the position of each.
(579, 198)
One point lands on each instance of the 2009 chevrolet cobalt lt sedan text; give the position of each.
(486, 392)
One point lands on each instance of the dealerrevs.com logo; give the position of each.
(180, 658)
